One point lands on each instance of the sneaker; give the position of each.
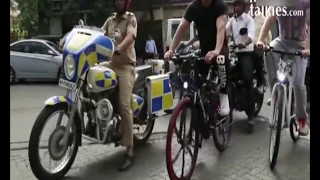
(224, 105)
(303, 127)
(269, 102)
(260, 89)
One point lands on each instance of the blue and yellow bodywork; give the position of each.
(160, 95)
(136, 104)
(57, 99)
(87, 47)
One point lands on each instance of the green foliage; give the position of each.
(45, 13)
(28, 15)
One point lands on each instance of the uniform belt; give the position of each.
(133, 64)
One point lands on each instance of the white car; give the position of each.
(34, 59)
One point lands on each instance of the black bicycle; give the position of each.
(202, 99)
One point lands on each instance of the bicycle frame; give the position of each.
(283, 82)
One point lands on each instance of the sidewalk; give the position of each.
(245, 159)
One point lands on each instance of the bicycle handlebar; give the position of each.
(177, 57)
(271, 49)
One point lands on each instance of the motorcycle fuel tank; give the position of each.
(101, 78)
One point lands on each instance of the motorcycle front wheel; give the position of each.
(65, 156)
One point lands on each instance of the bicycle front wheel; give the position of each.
(275, 130)
(187, 138)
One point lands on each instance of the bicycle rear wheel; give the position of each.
(222, 125)
(294, 125)
(184, 138)
(276, 126)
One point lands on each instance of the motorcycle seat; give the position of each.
(142, 69)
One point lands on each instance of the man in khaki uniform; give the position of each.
(123, 62)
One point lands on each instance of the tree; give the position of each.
(45, 14)
(28, 15)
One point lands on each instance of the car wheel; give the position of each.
(58, 74)
(12, 76)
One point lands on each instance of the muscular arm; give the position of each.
(182, 29)
(229, 29)
(266, 27)
(221, 30)
(131, 34)
(308, 23)
(192, 41)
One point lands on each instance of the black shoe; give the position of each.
(250, 125)
(128, 162)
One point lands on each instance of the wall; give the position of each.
(56, 25)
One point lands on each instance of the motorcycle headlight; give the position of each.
(69, 66)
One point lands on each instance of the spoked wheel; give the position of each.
(258, 100)
(294, 125)
(184, 139)
(142, 132)
(275, 132)
(62, 156)
(222, 131)
(12, 76)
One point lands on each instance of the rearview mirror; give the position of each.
(50, 52)
(81, 23)
(243, 31)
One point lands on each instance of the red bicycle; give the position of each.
(203, 103)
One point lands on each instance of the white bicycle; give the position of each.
(282, 104)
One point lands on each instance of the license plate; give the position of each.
(67, 84)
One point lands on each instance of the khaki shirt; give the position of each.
(127, 23)
(258, 23)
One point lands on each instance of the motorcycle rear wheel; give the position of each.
(33, 150)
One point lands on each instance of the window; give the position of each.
(39, 48)
(174, 28)
(53, 46)
(23, 47)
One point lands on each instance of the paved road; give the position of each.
(245, 159)
(26, 102)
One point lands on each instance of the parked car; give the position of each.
(34, 59)
(51, 37)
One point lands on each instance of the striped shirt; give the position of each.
(294, 27)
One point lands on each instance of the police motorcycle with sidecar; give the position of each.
(92, 89)
(238, 92)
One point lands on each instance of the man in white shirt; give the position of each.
(151, 48)
(245, 51)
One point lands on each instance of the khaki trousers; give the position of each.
(126, 77)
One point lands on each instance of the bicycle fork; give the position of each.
(277, 88)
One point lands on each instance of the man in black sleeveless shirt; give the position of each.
(210, 18)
